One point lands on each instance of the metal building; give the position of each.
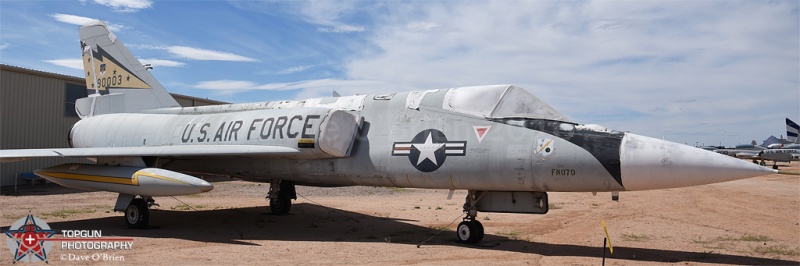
(37, 110)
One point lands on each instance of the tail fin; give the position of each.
(117, 81)
(792, 130)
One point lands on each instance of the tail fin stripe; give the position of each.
(792, 130)
(792, 124)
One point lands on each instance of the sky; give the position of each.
(694, 72)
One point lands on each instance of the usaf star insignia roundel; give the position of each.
(428, 150)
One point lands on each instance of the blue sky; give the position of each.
(688, 71)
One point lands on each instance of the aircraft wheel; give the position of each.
(775, 166)
(280, 204)
(470, 232)
(479, 227)
(137, 215)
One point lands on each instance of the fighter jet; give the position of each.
(500, 143)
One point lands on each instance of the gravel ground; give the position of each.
(751, 221)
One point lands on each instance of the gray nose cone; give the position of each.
(648, 163)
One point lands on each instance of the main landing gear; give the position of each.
(470, 230)
(137, 214)
(280, 195)
(774, 164)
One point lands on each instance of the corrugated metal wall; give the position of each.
(184, 100)
(32, 105)
(32, 116)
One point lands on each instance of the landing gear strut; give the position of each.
(281, 193)
(470, 230)
(137, 214)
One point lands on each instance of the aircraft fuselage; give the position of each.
(428, 147)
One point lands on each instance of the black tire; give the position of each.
(469, 232)
(137, 215)
(479, 228)
(281, 204)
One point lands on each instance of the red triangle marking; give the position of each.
(481, 131)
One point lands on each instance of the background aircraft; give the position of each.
(774, 152)
(504, 146)
(786, 154)
(743, 151)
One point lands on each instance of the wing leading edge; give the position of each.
(188, 150)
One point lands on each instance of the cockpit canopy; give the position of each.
(499, 101)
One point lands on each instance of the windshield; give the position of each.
(499, 101)
(517, 102)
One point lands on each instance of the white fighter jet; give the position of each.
(504, 146)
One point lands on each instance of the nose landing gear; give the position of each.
(470, 230)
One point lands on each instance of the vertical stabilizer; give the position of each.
(116, 80)
(792, 130)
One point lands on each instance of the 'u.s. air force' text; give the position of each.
(263, 128)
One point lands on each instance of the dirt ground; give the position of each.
(751, 221)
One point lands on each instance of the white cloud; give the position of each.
(68, 63)
(72, 19)
(331, 16)
(80, 21)
(342, 28)
(657, 68)
(310, 88)
(77, 63)
(226, 85)
(126, 5)
(320, 84)
(195, 53)
(423, 26)
(203, 54)
(4, 46)
(295, 69)
(161, 62)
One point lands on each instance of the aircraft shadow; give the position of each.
(309, 222)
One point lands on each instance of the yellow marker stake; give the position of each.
(610, 247)
(784, 172)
